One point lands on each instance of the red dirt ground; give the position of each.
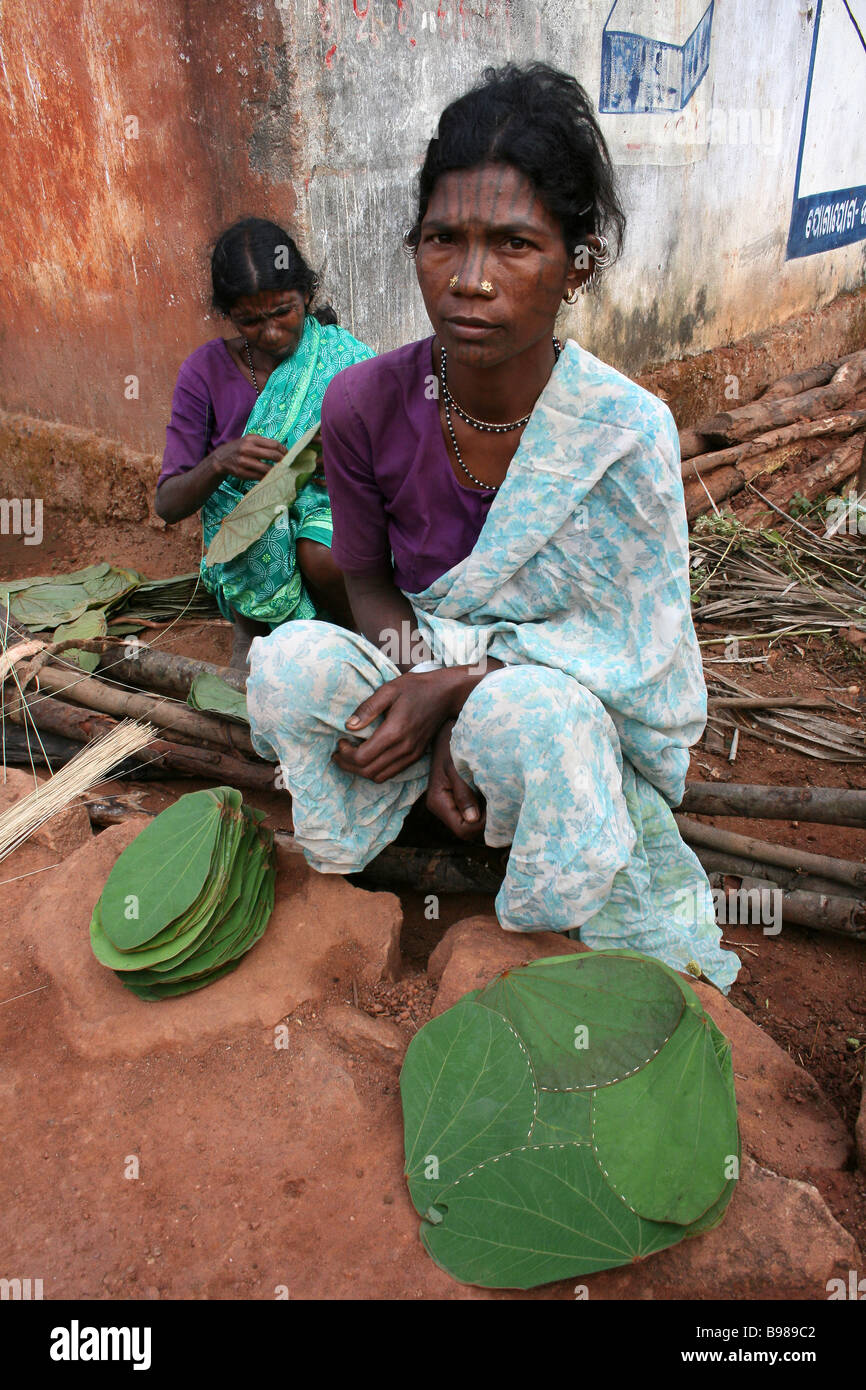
(805, 988)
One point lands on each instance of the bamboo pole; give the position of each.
(165, 714)
(816, 805)
(710, 837)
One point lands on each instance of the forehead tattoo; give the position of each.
(508, 203)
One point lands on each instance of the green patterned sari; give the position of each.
(265, 582)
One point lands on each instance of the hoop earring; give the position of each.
(572, 296)
(603, 257)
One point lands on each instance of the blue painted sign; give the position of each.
(829, 208)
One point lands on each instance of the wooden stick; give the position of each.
(481, 870)
(825, 474)
(740, 867)
(153, 668)
(210, 765)
(21, 749)
(165, 714)
(726, 482)
(815, 805)
(841, 916)
(710, 837)
(765, 702)
(841, 425)
(797, 382)
(732, 425)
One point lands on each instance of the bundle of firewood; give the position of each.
(746, 447)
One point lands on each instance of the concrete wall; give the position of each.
(138, 132)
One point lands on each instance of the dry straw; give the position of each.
(78, 776)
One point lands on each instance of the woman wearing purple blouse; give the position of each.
(238, 405)
(509, 516)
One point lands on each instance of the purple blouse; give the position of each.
(211, 403)
(392, 488)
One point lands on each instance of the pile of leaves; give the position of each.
(188, 897)
(573, 1115)
(101, 600)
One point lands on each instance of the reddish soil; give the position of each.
(806, 989)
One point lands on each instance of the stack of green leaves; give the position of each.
(188, 897)
(73, 605)
(574, 1115)
(161, 600)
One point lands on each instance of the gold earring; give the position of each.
(453, 282)
(486, 286)
(571, 297)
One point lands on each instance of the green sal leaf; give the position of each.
(534, 1215)
(587, 1019)
(259, 508)
(664, 1137)
(91, 624)
(468, 1093)
(209, 692)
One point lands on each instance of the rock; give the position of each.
(374, 1039)
(476, 948)
(786, 1121)
(860, 1128)
(778, 1240)
(321, 928)
(64, 833)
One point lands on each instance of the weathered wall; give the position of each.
(317, 112)
(132, 134)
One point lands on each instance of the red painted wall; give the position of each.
(103, 237)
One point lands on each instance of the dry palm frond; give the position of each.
(798, 728)
(776, 580)
(78, 776)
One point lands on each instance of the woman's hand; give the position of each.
(245, 457)
(451, 799)
(415, 708)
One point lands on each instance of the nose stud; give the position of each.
(452, 283)
(486, 286)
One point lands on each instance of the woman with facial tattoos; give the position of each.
(508, 514)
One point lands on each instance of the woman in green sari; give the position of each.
(239, 404)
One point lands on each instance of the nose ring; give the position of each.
(452, 283)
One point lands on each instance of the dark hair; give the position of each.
(540, 121)
(253, 255)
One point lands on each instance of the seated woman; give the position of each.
(238, 406)
(513, 506)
